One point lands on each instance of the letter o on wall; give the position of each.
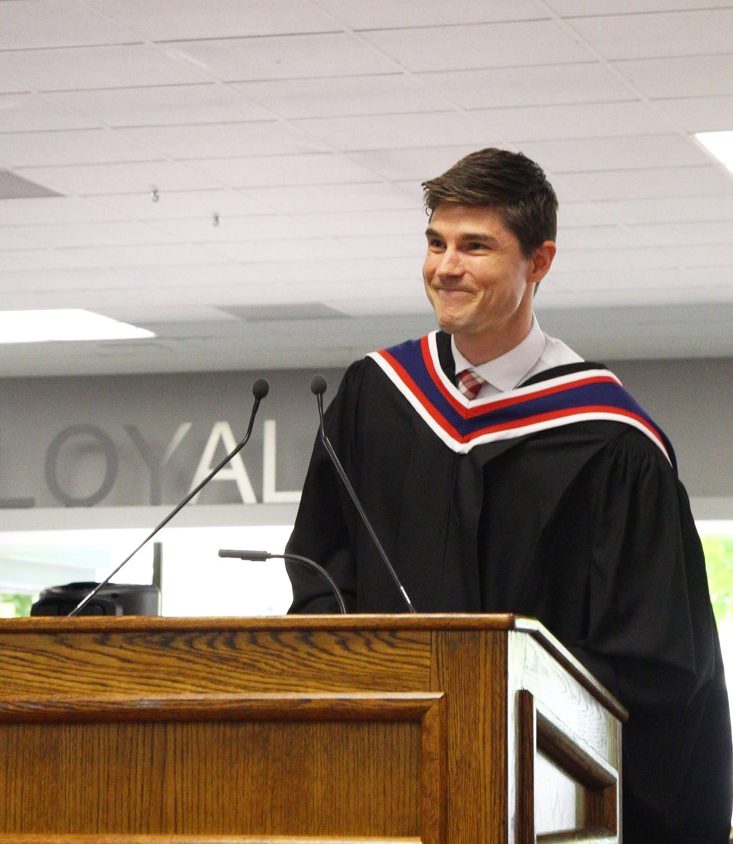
(111, 464)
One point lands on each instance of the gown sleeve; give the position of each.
(652, 639)
(323, 525)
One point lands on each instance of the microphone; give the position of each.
(260, 389)
(318, 388)
(260, 556)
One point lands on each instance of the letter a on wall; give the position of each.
(235, 471)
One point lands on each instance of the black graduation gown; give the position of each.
(584, 527)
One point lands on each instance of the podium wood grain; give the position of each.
(339, 729)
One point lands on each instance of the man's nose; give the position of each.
(450, 264)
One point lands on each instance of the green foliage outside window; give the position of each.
(13, 605)
(719, 562)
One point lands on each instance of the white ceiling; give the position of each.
(306, 127)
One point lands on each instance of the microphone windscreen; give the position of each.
(255, 556)
(260, 388)
(318, 385)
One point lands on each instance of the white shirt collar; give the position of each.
(510, 369)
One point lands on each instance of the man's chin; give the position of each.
(448, 325)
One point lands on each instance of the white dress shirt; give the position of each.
(536, 353)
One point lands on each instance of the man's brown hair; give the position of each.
(507, 182)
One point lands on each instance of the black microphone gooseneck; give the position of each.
(318, 388)
(259, 556)
(260, 389)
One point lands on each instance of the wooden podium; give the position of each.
(431, 728)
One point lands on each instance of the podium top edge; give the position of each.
(354, 621)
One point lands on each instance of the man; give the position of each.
(503, 473)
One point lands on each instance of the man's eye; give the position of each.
(476, 245)
(434, 243)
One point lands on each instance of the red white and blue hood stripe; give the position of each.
(589, 394)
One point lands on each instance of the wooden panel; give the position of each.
(563, 696)
(470, 667)
(171, 659)
(340, 766)
(197, 839)
(565, 792)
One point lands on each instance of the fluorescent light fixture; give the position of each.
(64, 324)
(719, 144)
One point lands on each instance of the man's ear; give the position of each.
(541, 261)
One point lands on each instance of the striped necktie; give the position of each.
(469, 383)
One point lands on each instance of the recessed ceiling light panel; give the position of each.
(719, 144)
(64, 324)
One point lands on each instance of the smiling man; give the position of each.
(505, 474)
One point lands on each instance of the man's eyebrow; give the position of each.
(482, 236)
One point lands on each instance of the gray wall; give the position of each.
(691, 400)
(34, 412)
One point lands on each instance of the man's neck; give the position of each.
(482, 348)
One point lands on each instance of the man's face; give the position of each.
(476, 277)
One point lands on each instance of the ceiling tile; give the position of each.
(572, 8)
(112, 256)
(114, 233)
(121, 279)
(55, 23)
(704, 255)
(230, 227)
(58, 209)
(634, 258)
(642, 36)
(699, 114)
(405, 302)
(158, 105)
(582, 214)
(94, 67)
(410, 246)
(287, 250)
(479, 45)
(181, 204)
(600, 237)
(522, 86)
(398, 130)
(688, 233)
(588, 120)
(80, 146)
(331, 272)
(9, 85)
(165, 313)
(221, 140)
(648, 183)
(681, 76)
(671, 209)
(408, 13)
(622, 153)
(329, 198)
(137, 177)
(415, 163)
(13, 186)
(305, 169)
(34, 112)
(362, 223)
(32, 259)
(12, 238)
(160, 20)
(295, 56)
(339, 96)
